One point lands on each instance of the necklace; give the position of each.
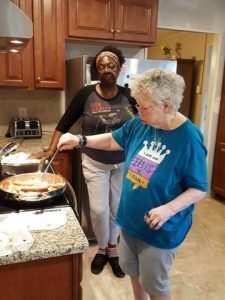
(158, 139)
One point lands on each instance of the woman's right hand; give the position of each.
(68, 141)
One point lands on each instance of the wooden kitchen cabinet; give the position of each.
(62, 164)
(44, 279)
(41, 64)
(17, 68)
(218, 179)
(123, 21)
(49, 43)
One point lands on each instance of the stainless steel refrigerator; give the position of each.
(78, 75)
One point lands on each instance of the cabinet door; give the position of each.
(91, 19)
(136, 20)
(17, 68)
(49, 43)
(49, 278)
(218, 183)
(62, 164)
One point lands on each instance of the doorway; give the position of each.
(177, 44)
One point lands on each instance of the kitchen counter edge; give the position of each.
(65, 240)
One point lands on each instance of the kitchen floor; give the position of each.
(198, 272)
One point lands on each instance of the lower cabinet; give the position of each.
(53, 278)
(62, 164)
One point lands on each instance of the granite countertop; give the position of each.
(65, 240)
(38, 144)
(33, 145)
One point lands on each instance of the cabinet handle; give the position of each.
(38, 78)
(117, 31)
(112, 30)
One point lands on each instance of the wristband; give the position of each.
(82, 141)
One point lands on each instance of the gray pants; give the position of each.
(150, 264)
(104, 184)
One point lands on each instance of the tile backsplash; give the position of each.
(46, 105)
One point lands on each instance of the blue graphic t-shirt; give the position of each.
(160, 165)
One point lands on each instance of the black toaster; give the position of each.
(25, 127)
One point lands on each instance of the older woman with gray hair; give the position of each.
(165, 174)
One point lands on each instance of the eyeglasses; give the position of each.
(144, 110)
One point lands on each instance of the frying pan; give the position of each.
(55, 182)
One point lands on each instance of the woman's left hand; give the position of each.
(156, 217)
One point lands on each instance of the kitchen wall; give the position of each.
(77, 49)
(48, 105)
(201, 16)
(193, 15)
(44, 105)
(193, 45)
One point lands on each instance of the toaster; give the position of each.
(25, 127)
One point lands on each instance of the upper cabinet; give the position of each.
(124, 21)
(41, 64)
(16, 69)
(49, 43)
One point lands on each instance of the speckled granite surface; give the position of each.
(34, 145)
(65, 240)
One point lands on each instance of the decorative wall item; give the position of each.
(168, 51)
(178, 50)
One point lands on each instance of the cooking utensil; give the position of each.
(56, 183)
(41, 164)
(48, 165)
(9, 145)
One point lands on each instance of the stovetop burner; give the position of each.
(7, 206)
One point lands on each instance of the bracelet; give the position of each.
(82, 140)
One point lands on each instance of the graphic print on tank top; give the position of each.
(145, 163)
(109, 117)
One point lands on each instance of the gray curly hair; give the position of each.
(161, 85)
